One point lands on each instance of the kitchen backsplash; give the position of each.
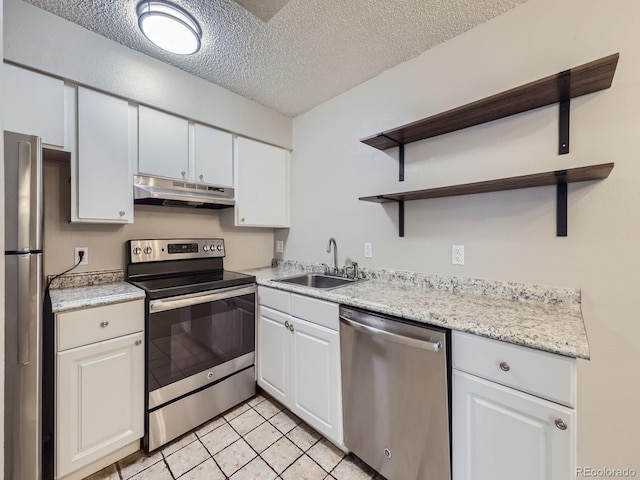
(86, 279)
(495, 289)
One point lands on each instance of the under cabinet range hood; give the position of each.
(149, 190)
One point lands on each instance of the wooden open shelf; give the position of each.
(559, 88)
(560, 178)
(588, 78)
(579, 174)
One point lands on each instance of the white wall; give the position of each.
(42, 41)
(507, 235)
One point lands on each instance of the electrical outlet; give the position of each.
(279, 246)
(76, 257)
(368, 250)
(457, 254)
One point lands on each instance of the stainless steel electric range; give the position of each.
(200, 333)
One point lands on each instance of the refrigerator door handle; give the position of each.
(24, 309)
(24, 193)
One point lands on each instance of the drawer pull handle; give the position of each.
(138, 343)
(104, 324)
(504, 366)
(291, 327)
(560, 424)
(286, 324)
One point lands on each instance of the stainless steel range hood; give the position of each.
(149, 190)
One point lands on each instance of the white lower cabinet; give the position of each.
(99, 385)
(274, 356)
(500, 432)
(315, 374)
(299, 360)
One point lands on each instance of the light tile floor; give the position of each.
(258, 440)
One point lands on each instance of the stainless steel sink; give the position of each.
(318, 280)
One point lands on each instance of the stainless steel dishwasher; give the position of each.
(395, 395)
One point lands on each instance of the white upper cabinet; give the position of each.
(213, 156)
(262, 184)
(163, 144)
(33, 104)
(106, 155)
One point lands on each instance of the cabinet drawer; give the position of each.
(276, 299)
(315, 311)
(90, 325)
(540, 373)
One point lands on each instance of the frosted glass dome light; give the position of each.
(169, 27)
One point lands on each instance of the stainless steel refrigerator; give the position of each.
(23, 306)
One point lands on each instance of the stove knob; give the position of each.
(148, 250)
(219, 247)
(137, 251)
(205, 248)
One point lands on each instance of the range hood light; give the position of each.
(169, 27)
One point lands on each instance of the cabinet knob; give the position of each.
(184, 174)
(201, 178)
(560, 424)
(291, 327)
(504, 366)
(104, 324)
(122, 213)
(242, 219)
(138, 343)
(286, 324)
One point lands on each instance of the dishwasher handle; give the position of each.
(394, 337)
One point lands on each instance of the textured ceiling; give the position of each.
(308, 52)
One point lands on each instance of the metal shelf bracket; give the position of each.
(564, 88)
(400, 156)
(561, 204)
(400, 214)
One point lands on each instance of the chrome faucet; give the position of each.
(354, 270)
(335, 253)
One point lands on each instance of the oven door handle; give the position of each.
(160, 305)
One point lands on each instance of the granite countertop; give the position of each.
(544, 318)
(64, 299)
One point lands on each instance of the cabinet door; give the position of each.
(163, 144)
(315, 372)
(105, 182)
(99, 400)
(501, 433)
(262, 184)
(33, 104)
(213, 150)
(274, 353)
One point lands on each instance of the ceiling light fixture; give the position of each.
(169, 27)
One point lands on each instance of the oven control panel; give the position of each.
(175, 249)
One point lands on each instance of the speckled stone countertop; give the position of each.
(64, 299)
(544, 318)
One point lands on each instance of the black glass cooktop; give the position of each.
(173, 285)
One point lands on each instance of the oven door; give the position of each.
(197, 339)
